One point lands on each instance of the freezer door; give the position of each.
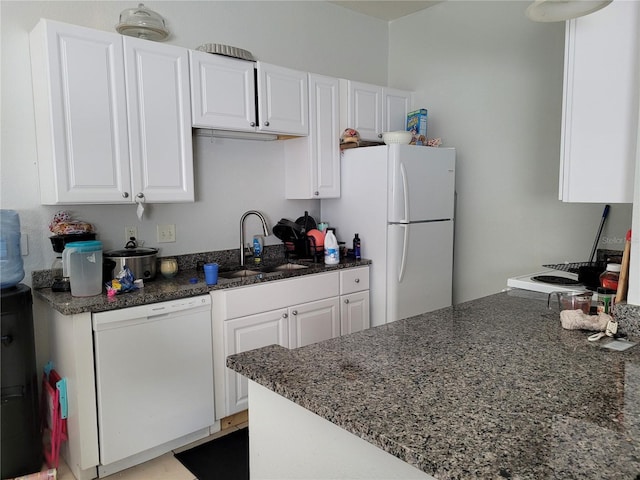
(421, 183)
(420, 268)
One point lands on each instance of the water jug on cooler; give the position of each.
(82, 263)
(11, 266)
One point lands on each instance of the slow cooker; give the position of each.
(141, 261)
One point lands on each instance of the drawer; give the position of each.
(354, 280)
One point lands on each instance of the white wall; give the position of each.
(232, 176)
(491, 79)
(492, 82)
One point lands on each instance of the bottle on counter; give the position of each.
(356, 247)
(331, 252)
(257, 249)
(609, 278)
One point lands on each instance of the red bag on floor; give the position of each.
(53, 414)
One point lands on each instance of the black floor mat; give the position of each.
(225, 458)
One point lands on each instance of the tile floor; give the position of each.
(165, 467)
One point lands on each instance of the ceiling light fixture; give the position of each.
(142, 22)
(561, 10)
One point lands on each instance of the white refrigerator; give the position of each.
(400, 200)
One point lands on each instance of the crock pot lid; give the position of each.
(132, 252)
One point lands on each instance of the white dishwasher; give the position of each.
(154, 376)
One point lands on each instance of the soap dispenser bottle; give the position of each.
(257, 249)
(356, 247)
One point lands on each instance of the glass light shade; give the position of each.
(561, 10)
(142, 22)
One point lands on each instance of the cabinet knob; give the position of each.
(140, 195)
(266, 124)
(346, 301)
(252, 124)
(379, 135)
(125, 194)
(285, 315)
(316, 193)
(295, 312)
(357, 280)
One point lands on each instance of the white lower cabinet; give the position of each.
(354, 312)
(247, 333)
(354, 300)
(292, 313)
(314, 322)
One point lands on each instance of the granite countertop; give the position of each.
(162, 289)
(492, 388)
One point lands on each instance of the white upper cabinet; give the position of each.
(600, 108)
(226, 91)
(313, 162)
(361, 109)
(397, 105)
(283, 100)
(222, 92)
(106, 133)
(372, 110)
(81, 114)
(159, 109)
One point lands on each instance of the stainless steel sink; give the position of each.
(289, 266)
(239, 273)
(242, 272)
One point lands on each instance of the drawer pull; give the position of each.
(357, 280)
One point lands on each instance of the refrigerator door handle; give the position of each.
(405, 249)
(405, 192)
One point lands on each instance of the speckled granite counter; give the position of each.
(162, 289)
(492, 388)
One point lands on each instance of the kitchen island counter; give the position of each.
(492, 388)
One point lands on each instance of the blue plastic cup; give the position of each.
(211, 273)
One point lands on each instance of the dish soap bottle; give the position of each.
(331, 252)
(356, 247)
(257, 249)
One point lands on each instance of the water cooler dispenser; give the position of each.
(21, 446)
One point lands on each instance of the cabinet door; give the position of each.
(354, 312)
(364, 110)
(248, 333)
(80, 111)
(223, 92)
(600, 111)
(313, 322)
(397, 104)
(283, 100)
(159, 107)
(313, 162)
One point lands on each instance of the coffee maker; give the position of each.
(60, 282)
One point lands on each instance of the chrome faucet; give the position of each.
(242, 219)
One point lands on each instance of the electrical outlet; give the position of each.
(130, 232)
(166, 233)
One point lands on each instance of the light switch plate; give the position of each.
(166, 233)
